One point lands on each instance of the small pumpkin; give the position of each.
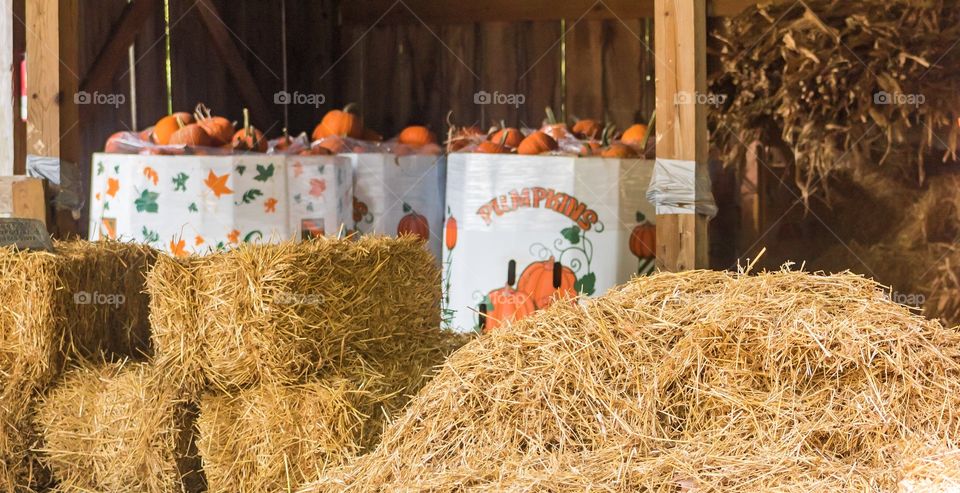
(634, 134)
(416, 136)
(488, 147)
(619, 151)
(538, 279)
(218, 128)
(509, 305)
(643, 238)
(450, 233)
(360, 210)
(553, 128)
(537, 143)
(166, 126)
(413, 224)
(192, 135)
(587, 129)
(342, 123)
(248, 138)
(333, 144)
(507, 136)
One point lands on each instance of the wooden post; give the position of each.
(52, 79)
(681, 74)
(7, 63)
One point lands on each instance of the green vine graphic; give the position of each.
(575, 250)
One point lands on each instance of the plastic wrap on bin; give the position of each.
(678, 188)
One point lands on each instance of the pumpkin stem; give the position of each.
(503, 138)
(349, 107)
(511, 272)
(179, 122)
(247, 131)
(640, 217)
(646, 135)
(551, 117)
(450, 119)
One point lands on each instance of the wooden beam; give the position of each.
(7, 117)
(230, 54)
(116, 50)
(52, 68)
(681, 75)
(19, 126)
(368, 12)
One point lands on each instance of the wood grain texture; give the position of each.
(584, 70)
(681, 128)
(540, 78)
(499, 71)
(7, 116)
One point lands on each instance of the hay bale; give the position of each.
(118, 427)
(272, 438)
(82, 302)
(279, 313)
(699, 381)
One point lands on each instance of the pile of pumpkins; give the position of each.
(342, 130)
(591, 138)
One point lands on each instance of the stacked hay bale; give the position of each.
(700, 381)
(85, 301)
(292, 353)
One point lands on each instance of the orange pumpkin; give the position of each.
(169, 124)
(333, 144)
(509, 305)
(191, 135)
(537, 143)
(620, 151)
(417, 135)
(146, 134)
(587, 129)
(218, 128)
(248, 138)
(643, 238)
(450, 233)
(414, 224)
(359, 210)
(553, 128)
(635, 134)
(342, 123)
(489, 147)
(509, 137)
(538, 280)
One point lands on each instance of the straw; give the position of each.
(700, 381)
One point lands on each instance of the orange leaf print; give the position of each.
(270, 205)
(151, 175)
(218, 184)
(198, 240)
(317, 187)
(110, 225)
(234, 236)
(297, 169)
(113, 186)
(178, 248)
(97, 196)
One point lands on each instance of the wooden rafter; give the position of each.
(114, 51)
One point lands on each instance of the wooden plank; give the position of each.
(246, 84)
(681, 128)
(499, 73)
(459, 73)
(584, 95)
(53, 122)
(19, 126)
(425, 51)
(311, 32)
(7, 116)
(541, 76)
(349, 73)
(150, 69)
(455, 12)
(623, 51)
(116, 50)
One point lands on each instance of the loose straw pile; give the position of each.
(700, 381)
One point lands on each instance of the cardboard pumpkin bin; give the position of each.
(523, 232)
(195, 204)
(396, 194)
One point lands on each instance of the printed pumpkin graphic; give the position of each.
(413, 224)
(509, 305)
(547, 281)
(360, 210)
(643, 238)
(450, 233)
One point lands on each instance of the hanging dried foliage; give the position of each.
(840, 85)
